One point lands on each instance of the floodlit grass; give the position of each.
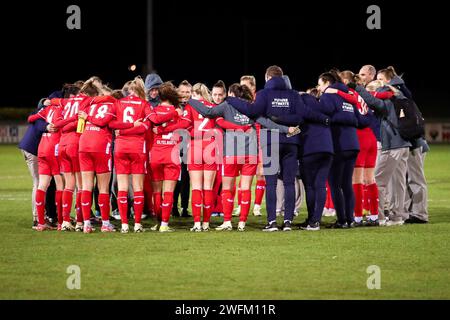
(330, 264)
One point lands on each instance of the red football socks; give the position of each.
(197, 205)
(259, 191)
(86, 204)
(67, 200)
(358, 191)
(227, 204)
(40, 206)
(239, 197)
(122, 203)
(208, 199)
(157, 202)
(372, 190)
(366, 204)
(138, 206)
(105, 206)
(245, 205)
(167, 206)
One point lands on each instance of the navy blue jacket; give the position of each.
(32, 137)
(277, 101)
(315, 138)
(344, 120)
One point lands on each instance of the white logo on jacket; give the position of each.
(280, 103)
(241, 119)
(347, 107)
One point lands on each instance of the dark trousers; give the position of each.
(95, 195)
(184, 188)
(315, 169)
(288, 165)
(340, 180)
(50, 205)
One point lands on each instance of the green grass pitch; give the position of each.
(331, 264)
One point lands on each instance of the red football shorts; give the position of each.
(165, 171)
(97, 162)
(130, 163)
(367, 157)
(49, 166)
(68, 157)
(243, 165)
(202, 156)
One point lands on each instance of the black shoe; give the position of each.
(287, 226)
(96, 221)
(311, 227)
(372, 223)
(52, 224)
(185, 214)
(304, 224)
(337, 225)
(351, 225)
(35, 224)
(271, 227)
(415, 220)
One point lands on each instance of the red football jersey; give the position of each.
(129, 110)
(97, 136)
(356, 99)
(70, 108)
(49, 141)
(165, 148)
(200, 125)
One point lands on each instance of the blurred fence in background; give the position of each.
(437, 131)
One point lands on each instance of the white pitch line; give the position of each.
(13, 177)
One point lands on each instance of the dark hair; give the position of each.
(168, 92)
(70, 89)
(314, 92)
(274, 71)
(89, 89)
(331, 76)
(241, 91)
(220, 84)
(389, 72)
(185, 83)
(79, 83)
(117, 94)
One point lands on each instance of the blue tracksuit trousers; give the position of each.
(315, 169)
(288, 165)
(340, 180)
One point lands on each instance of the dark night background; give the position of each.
(211, 40)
